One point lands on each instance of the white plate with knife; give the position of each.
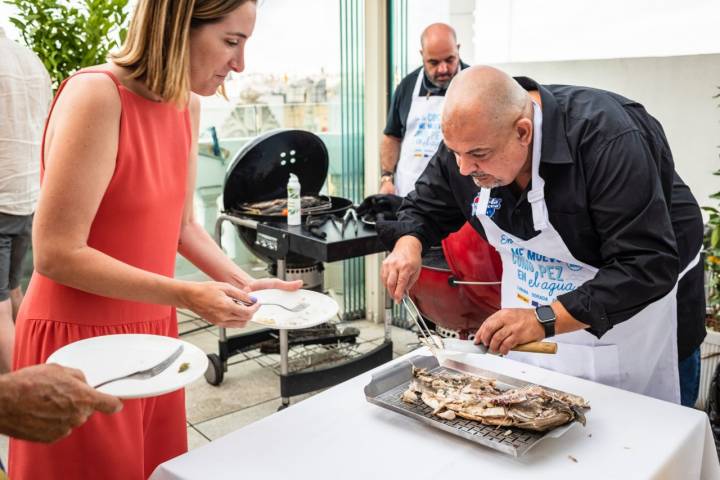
(167, 364)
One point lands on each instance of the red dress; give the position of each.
(138, 222)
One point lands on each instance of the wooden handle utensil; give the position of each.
(537, 347)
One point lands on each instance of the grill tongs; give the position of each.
(435, 343)
(314, 223)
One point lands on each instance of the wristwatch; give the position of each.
(387, 177)
(546, 316)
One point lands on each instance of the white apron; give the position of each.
(639, 354)
(421, 140)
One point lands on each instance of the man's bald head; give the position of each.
(487, 123)
(484, 94)
(438, 33)
(440, 53)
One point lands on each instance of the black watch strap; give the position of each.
(546, 317)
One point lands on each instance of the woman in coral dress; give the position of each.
(118, 173)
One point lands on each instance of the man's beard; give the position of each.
(485, 181)
(435, 83)
(442, 84)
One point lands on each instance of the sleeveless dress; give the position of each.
(138, 222)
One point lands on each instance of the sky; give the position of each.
(6, 11)
(531, 31)
(303, 37)
(295, 36)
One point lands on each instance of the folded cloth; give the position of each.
(379, 207)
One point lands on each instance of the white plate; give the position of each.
(321, 309)
(110, 356)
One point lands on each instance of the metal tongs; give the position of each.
(315, 223)
(433, 342)
(350, 216)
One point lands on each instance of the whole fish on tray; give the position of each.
(452, 395)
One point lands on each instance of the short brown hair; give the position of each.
(157, 48)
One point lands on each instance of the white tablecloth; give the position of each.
(338, 434)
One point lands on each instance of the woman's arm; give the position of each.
(198, 246)
(80, 152)
(195, 243)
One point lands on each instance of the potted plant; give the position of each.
(69, 35)
(712, 264)
(710, 349)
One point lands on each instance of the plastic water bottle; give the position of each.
(293, 202)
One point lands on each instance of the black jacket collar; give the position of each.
(555, 148)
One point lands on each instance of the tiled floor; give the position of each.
(249, 391)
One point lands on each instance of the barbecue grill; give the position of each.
(253, 196)
(258, 175)
(459, 283)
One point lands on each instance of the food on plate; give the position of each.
(264, 320)
(183, 366)
(452, 395)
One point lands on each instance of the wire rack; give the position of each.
(300, 357)
(310, 357)
(514, 441)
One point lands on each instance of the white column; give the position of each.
(376, 46)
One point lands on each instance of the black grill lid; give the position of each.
(261, 169)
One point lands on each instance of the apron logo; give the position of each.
(493, 205)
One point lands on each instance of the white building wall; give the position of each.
(457, 13)
(531, 30)
(677, 91)
(462, 20)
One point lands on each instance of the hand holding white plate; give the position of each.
(320, 308)
(110, 356)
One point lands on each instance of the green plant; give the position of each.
(712, 259)
(68, 35)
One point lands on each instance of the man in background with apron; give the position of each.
(576, 189)
(412, 133)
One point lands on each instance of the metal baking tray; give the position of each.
(388, 385)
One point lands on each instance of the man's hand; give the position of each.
(508, 328)
(401, 268)
(387, 188)
(43, 403)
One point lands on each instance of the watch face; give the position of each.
(545, 313)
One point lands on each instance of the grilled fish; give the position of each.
(452, 395)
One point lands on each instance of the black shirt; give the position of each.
(610, 186)
(402, 98)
